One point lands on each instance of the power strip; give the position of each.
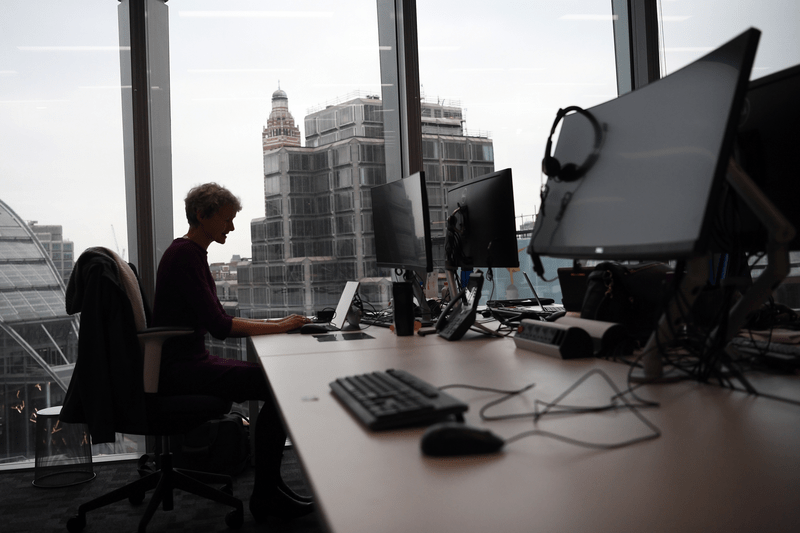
(605, 335)
(554, 339)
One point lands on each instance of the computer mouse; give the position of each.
(456, 438)
(313, 328)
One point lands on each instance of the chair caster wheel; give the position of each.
(76, 524)
(234, 519)
(143, 466)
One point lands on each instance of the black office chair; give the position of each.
(114, 387)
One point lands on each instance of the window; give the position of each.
(434, 196)
(344, 201)
(692, 29)
(62, 156)
(480, 171)
(275, 252)
(301, 162)
(343, 178)
(275, 229)
(430, 149)
(371, 153)
(373, 113)
(454, 150)
(345, 115)
(326, 121)
(432, 172)
(345, 224)
(341, 155)
(295, 297)
(454, 173)
(294, 273)
(273, 207)
(272, 163)
(373, 176)
(504, 82)
(482, 152)
(272, 185)
(346, 248)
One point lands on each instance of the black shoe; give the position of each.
(292, 494)
(276, 504)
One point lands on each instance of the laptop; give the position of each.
(544, 307)
(342, 308)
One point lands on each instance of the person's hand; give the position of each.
(294, 318)
(294, 321)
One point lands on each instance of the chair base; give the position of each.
(165, 481)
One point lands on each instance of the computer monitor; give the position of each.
(401, 223)
(482, 226)
(768, 148)
(658, 167)
(654, 163)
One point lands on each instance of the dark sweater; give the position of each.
(187, 296)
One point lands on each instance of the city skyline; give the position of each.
(511, 67)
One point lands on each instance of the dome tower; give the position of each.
(280, 130)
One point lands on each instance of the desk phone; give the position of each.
(459, 315)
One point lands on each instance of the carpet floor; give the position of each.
(26, 508)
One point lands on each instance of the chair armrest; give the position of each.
(151, 341)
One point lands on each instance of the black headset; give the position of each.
(570, 172)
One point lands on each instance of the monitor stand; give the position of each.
(780, 234)
(419, 294)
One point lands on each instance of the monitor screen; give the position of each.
(661, 160)
(402, 224)
(486, 221)
(768, 149)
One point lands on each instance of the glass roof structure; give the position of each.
(38, 339)
(30, 287)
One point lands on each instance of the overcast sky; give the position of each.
(510, 66)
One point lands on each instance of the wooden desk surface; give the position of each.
(725, 461)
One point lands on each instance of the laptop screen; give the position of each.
(344, 304)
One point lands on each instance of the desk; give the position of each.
(725, 461)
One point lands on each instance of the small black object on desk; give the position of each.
(313, 328)
(456, 438)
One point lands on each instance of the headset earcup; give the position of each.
(551, 167)
(569, 172)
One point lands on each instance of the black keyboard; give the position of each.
(381, 321)
(395, 398)
(520, 313)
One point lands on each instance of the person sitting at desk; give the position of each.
(186, 296)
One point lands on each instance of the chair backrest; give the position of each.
(107, 387)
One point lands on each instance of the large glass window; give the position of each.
(222, 89)
(509, 69)
(61, 184)
(692, 29)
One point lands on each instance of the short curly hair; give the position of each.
(207, 199)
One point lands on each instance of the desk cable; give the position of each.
(617, 401)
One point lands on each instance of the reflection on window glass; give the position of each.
(692, 29)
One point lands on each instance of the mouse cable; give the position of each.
(555, 407)
(488, 389)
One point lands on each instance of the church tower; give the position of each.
(280, 130)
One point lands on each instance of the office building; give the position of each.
(317, 230)
(61, 251)
(38, 339)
